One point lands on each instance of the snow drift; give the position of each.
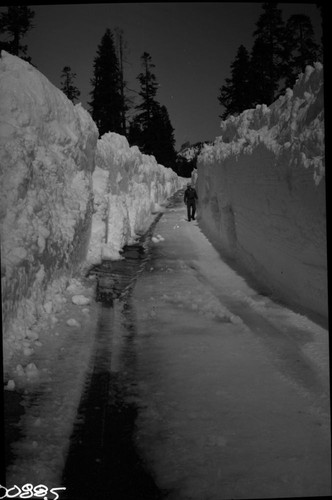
(129, 189)
(262, 193)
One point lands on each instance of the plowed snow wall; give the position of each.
(47, 148)
(262, 193)
(129, 189)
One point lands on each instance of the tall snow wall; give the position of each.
(47, 149)
(129, 189)
(67, 199)
(262, 193)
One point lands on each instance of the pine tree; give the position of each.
(162, 137)
(121, 48)
(235, 94)
(106, 103)
(16, 22)
(148, 91)
(267, 56)
(140, 131)
(67, 84)
(300, 46)
(151, 128)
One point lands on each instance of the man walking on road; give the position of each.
(190, 197)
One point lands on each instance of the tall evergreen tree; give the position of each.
(67, 84)
(121, 48)
(162, 140)
(140, 127)
(106, 103)
(151, 128)
(235, 94)
(301, 47)
(148, 92)
(15, 23)
(268, 56)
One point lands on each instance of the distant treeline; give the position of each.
(280, 52)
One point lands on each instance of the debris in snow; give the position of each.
(80, 300)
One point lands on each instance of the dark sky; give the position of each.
(192, 45)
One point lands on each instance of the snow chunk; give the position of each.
(73, 322)
(75, 287)
(157, 238)
(10, 386)
(80, 300)
(32, 371)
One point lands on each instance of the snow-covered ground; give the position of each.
(233, 388)
(262, 196)
(67, 201)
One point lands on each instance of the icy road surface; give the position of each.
(190, 386)
(235, 387)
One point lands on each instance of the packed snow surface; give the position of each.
(261, 188)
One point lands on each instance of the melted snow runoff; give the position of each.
(103, 461)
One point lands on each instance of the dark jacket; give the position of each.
(190, 195)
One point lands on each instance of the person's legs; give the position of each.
(188, 211)
(193, 206)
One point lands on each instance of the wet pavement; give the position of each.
(102, 460)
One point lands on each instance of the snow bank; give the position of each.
(129, 189)
(65, 195)
(262, 197)
(47, 148)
